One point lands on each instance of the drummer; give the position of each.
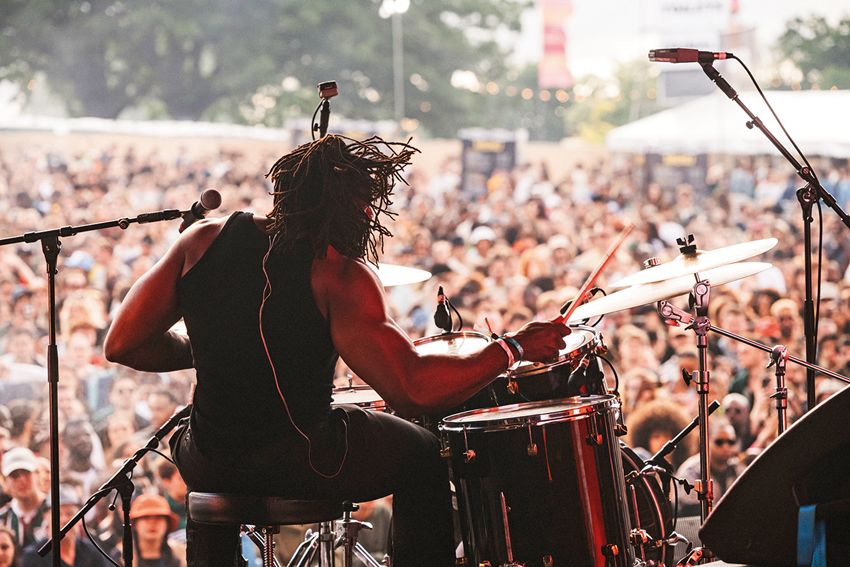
(270, 303)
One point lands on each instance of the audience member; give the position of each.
(27, 509)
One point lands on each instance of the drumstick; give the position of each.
(596, 271)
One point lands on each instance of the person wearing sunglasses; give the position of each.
(724, 465)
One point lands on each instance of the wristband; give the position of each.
(518, 348)
(507, 350)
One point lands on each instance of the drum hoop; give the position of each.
(594, 404)
(451, 336)
(379, 404)
(594, 342)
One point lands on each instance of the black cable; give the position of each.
(616, 377)
(593, 292)
(459, 317)
(790, 139)
(313, 120)
(97, 545)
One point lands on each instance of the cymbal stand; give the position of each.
(700, 324)
(778, 358)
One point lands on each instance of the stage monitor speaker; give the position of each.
(756, 520)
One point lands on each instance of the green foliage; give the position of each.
(820, 51)
(259, 62)
(228, 58)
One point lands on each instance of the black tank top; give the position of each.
(237, 407)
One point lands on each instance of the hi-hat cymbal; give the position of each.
(391, 275)
(644, 294)
(699, 261)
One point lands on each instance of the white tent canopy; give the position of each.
(819, 121)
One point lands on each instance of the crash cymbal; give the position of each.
(644, 294)
(391, 275)
(699, 261)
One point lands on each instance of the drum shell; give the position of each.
(529, 382)
(654, 513)
(565, 503)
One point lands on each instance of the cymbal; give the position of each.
(644, 294)
(699, 261)
(391, 274)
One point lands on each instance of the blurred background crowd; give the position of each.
(507, 255)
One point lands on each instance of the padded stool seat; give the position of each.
(216, 508)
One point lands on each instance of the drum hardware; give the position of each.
(532, 446)
(593, 437)
(700, 325)
(659, 458)
(692, 558)
(468, 454)
(508, 546)
(326, 540)
(779, 358)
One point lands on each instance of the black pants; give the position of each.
(380, 454)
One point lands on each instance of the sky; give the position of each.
(603, 32)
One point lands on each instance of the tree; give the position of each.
(819, 51)
(254, 62)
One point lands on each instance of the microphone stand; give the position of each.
(50, 246)
(121, 482)
(807, 196)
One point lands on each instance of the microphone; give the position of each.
(682, 55)
(442, 316)
(578, 377)
(210, 199)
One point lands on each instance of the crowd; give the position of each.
(514, 251)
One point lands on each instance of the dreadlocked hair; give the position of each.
(322, 188)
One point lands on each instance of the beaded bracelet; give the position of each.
(507, 350)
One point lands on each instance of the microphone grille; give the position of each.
(210, 199)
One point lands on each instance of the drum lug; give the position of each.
(548, 561)
(594, 439)
(610, 550)
(445, 453)
(468, 454)
(532, 446)
(512, 387)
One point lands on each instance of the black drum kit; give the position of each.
(539, 474)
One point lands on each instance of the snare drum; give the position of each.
(361, 396)
(541, 484)
(533, 381)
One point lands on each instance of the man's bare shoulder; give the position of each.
(195, 240)
(337, 277)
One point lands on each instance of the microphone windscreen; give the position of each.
(210, 199)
